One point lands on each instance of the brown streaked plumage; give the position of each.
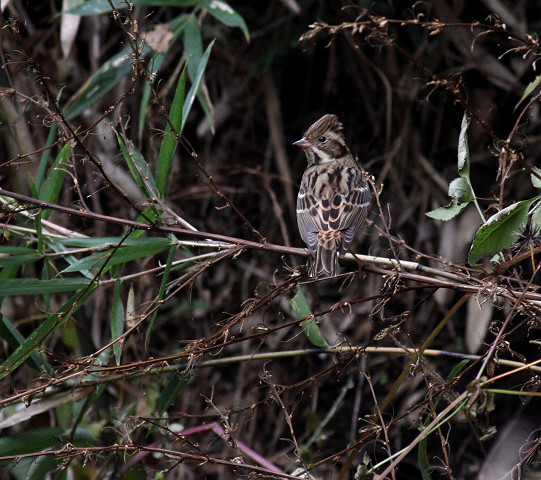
(334, 197)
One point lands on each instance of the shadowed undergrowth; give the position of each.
(157, 320)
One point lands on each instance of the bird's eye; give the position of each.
(322, 139)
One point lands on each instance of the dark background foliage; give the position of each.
(400, 88)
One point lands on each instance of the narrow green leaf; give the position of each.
(34, 440)
(42, 168)
(528, 90)
(422, 459)
(34, 286)
(225, 14)
(135, 173)
(138, 168)
(154, 67)
(7, 272)
(37, 217)
(195, 85)
(52, 185)
(80, 408)
(97, 7)
(165, 277)
(501, 230)
(448, 212)
(38, 440)
(117, 321)
(11, 250)
(193, 45)
(176, 26)
(16, 256)
(56, 245)
(104, 242)
(121, 255)
(309, 326)
(457, 369)
(44, 331)
(102, 81)
(169, 142)
(176, 383)
(45, 277)
(14, 339)
(17, 260)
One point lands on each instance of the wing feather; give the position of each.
(332, 205)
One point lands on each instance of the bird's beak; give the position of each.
(302, 143)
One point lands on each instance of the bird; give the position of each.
(333, 198)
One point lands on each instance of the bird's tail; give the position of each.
(326, 262)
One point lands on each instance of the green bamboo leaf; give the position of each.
(34, 286)
(37, 217)
(138, 168)
(422, 459)
(193, 47)
(97, 7)
(56, 245)
(528, 90)
(175, 384)
(500, 231)
(176, 26)
(42, 168)
(309, 326)
(457, 369)
(14, 339)
(121, 255)
(103, 242)
(117, 321)
(44, 331)
(223, 12)
(102, 81)
(38, 440)
(34, 440)
(10, 250)
(163, 285)
(46, 276)
(51, 187)
(154, 67)
(16, 256)
(195, 85)
(169, 142)
(17, 260)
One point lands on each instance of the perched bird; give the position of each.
(333, 199)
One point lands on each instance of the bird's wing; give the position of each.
(307, 218)
(343, 212)
(357, 203)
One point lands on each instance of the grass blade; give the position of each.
(169, 142)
